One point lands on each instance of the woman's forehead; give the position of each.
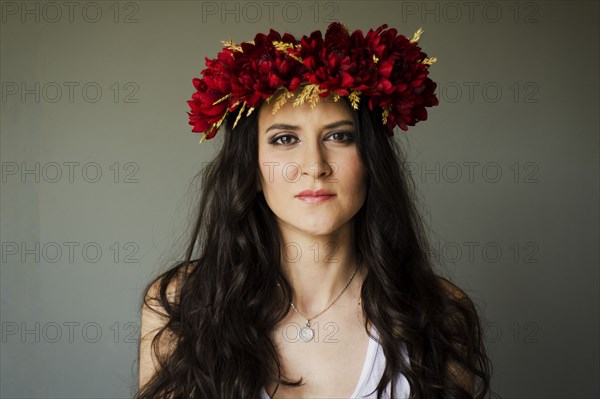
(324, 111)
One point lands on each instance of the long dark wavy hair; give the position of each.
(225, 300)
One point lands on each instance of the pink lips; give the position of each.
(315, 197)
(310, 193)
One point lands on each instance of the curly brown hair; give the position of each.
(203, 353)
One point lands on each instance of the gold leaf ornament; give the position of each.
(385, 113)
(354, 98)
(222, 99)
(239, 115)
(282, 97)
(283, 46)
(309, 93)
(231, 45)
(417, 35)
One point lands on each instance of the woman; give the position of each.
(312, 276)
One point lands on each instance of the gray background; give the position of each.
(507, 166)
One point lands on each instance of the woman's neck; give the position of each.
(318, 269)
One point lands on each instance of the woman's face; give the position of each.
(303, 148)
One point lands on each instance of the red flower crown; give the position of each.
(389, 69)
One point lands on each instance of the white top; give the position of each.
(371, 374)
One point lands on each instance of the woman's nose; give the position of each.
(315, 160)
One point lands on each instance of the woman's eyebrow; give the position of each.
(282, 126)
(285, 126)
(338, 124)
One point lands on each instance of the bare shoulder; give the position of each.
(154, 318)
(152, 297)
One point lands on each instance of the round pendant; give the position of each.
(306, 334)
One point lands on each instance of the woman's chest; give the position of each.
(330, 364)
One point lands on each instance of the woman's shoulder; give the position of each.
(173, 279)
(154, 321)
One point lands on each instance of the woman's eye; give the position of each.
(284, 139)
(277, 142)
(349, 135)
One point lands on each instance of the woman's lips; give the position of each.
(315, 199)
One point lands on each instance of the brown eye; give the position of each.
(349, 136)
(275, 141)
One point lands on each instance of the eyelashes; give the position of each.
(349, 138)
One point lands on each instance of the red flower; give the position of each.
(386, 69)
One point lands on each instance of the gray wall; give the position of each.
(507, 166)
